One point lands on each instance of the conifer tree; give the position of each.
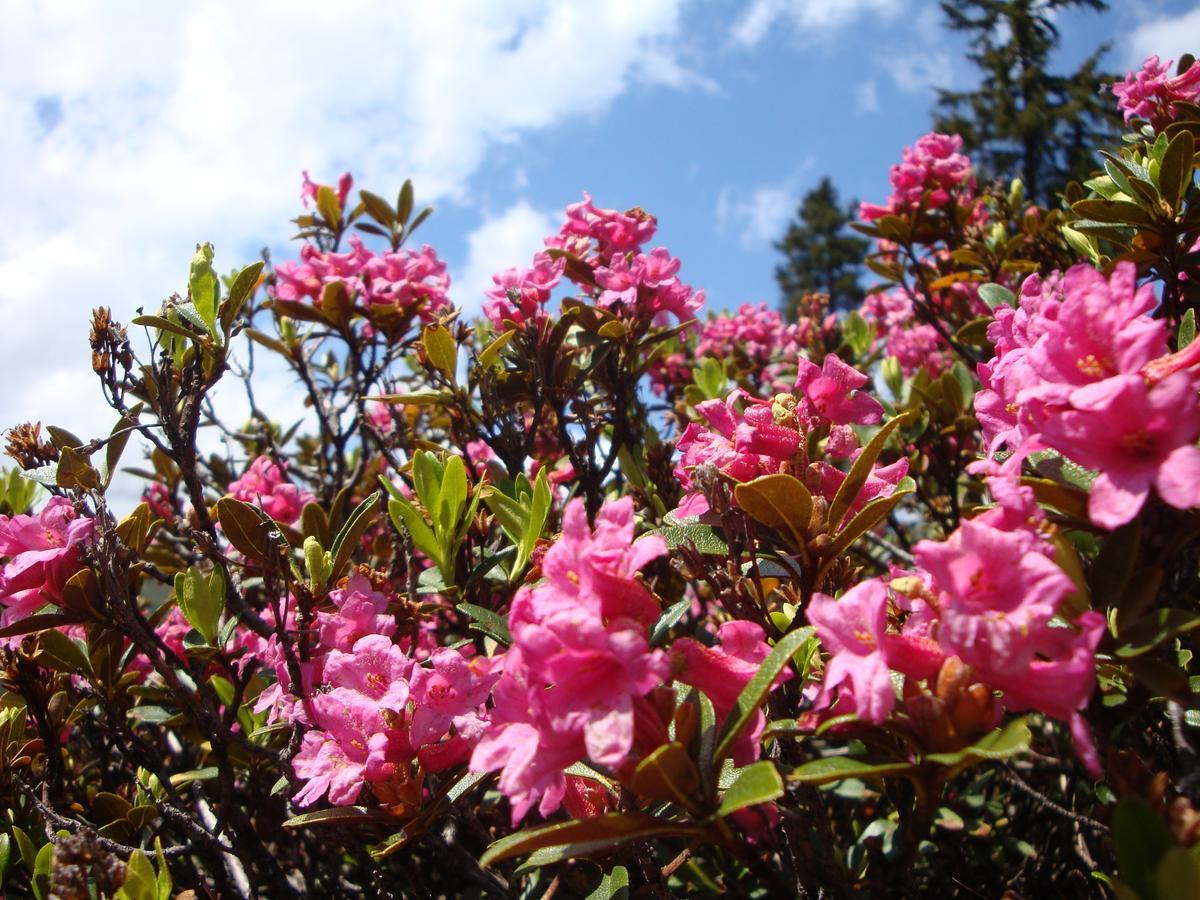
(1023, 121)
(821, 253)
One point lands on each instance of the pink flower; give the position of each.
(854, 629)
(881, 482)
(996, 589)
(613, 231)
(309, 188)
(531, 289)
(1150, 93)
(44, 552)
(831, 393)
(373, 674)
(932, 173)
(450, 691)
(410, 280)
(264, 484)
(1135, 437)
(723, 671)
(361, 611)
(578, 662)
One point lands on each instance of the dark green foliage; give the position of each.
(1023, 121)
(821, 253)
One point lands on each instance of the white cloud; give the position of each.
(134, 130)
(916, 73)
(758, 216)
(807, 17)
(866, 98)
(502, 241)
(1169, 37)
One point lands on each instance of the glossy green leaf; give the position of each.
(759, 782)
(756, 690)
(839, 768)
(585, 835)
(780, 501)
(848, 490)
(348, 538)
(1002, 743)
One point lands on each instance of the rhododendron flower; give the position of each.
(360, 611)
(915, 345)
(264, 484)
(831, 393)
(44, 552)
(579, 659)
(996, 589)
(742, 446)
(373, 674)
(1149, 93)
(881, 481)
(721, 672)
(934, 165)
(613, 231)
(449, 691)
(309, 189)
(408, 280)
(854, 630)
(1135, 437)
(531, 288)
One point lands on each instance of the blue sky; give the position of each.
(134, 130)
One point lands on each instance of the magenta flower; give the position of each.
(932, 173)
(449, 692)
(831, 393)
(44, 552)
(996, 589)
(264, 484)
(853, 629)
(723, 671)
(1135, 437)
(1149, 93)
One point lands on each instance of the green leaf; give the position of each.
(329, 205)
(203, 286)
(613, 886)
(996, 295)
(442, 350)
(164, 883)
(1142, 840)
(201, 601)
(757, 783)
(452, 497)
(756, 690)
(585, 835)
(246, 527)
(864, 520)
(1177, 876)
(848, 490)
(668, 618)
(348, 538)
(704, 537)
(404, 203)
(1116, 212)
(667, 774)
(338, 815)
(141, 883)
(75, 472)
(66, 652)
(1187, 328)
(243, 286)
(1175, 174)
(1152, 630)
(1002, 743)
(380, 210)
(489, 623)
(839, 768)
(35, 623)
(491, 352)
(427, 480)
(779, 501)
(408, 519)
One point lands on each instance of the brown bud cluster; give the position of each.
(958, 710)
(110, 343)
(26, 446)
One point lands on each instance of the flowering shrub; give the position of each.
(604, 593)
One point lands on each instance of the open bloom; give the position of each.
(264, 484)
(1149, 93)
(44, 552)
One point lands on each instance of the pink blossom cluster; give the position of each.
(625, 279)
(915, 345)
(766, 437)
(265, 484)
(309, 189)
(409, 280)
(1081, 368)
(578, 670)
(371, 706)
(1149, 93)
(932, 174)
(989, 596)
(44, 551)
(753, 335)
